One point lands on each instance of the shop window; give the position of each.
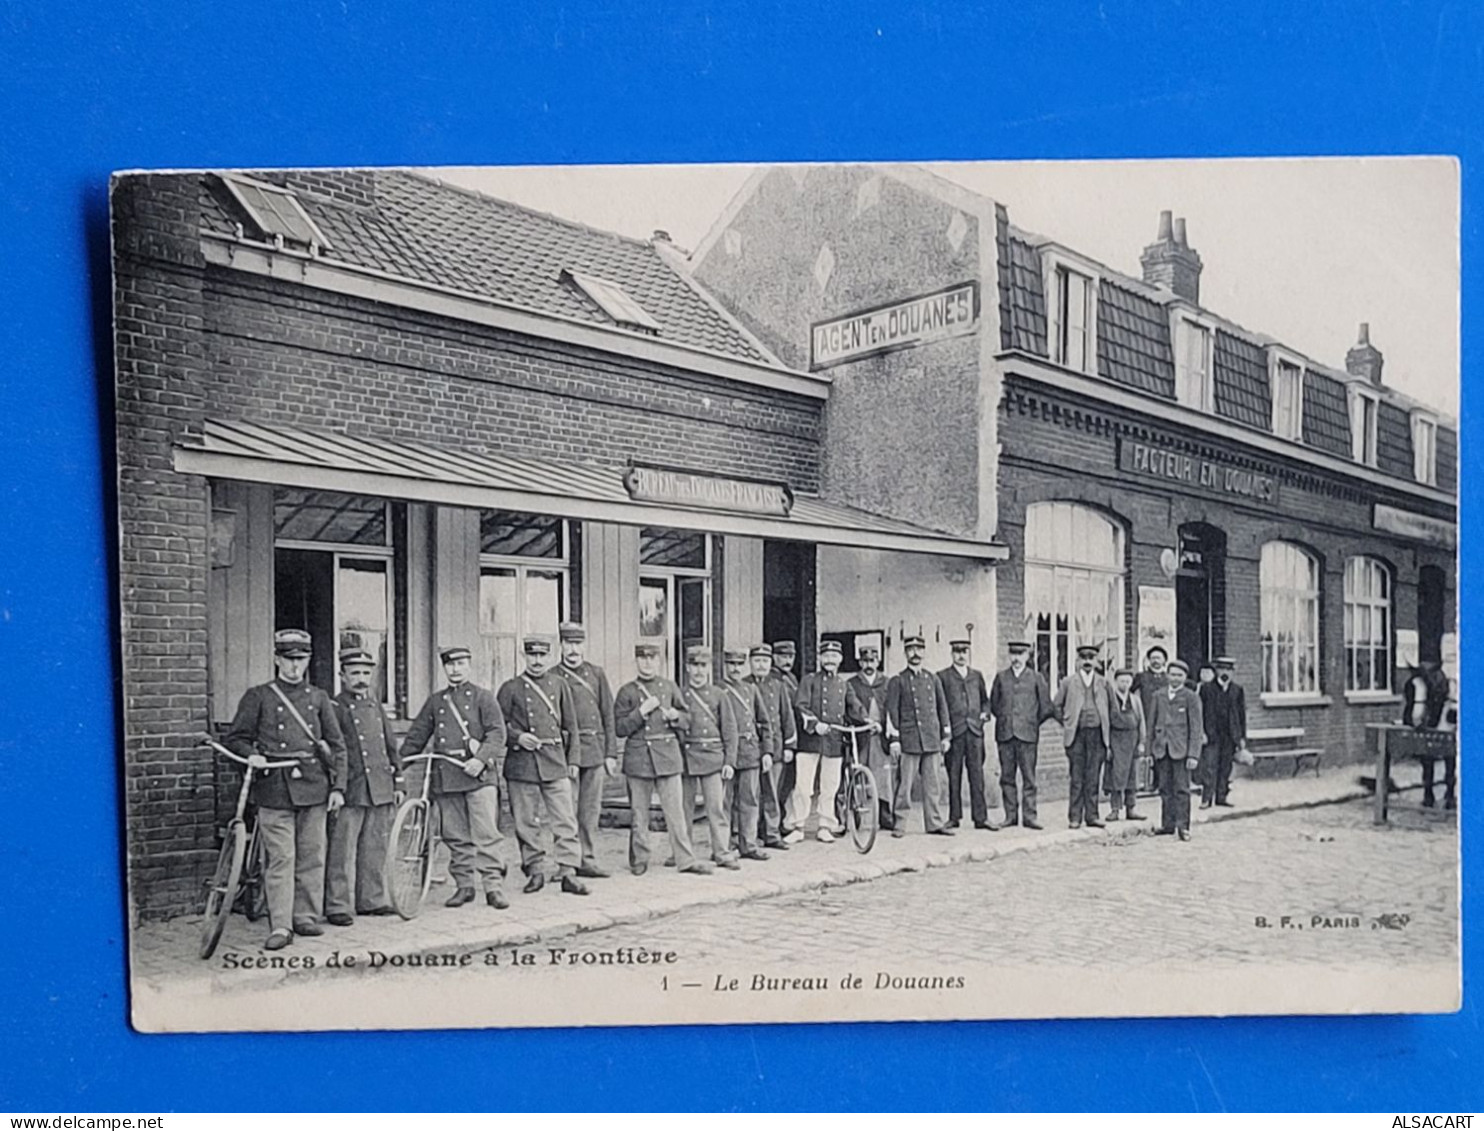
(1368, 661)
(333, 575)
(1289, 581)
(1424, 448)
(525, 568)
(1074, 585)
(1288, 401)
(672, 549)
(1193, 385)
(1364, 407)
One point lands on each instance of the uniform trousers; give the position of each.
(470, 826)
(770, 822)
(928, 768)
(590, 781)
(800, 801)
(526, 800)
(1018, 757)
(294, 869)
(673, 805)
(355, 876)
(1084, 766)
(743, 808)
(1174, 793)
(966, 753)
(714, 809)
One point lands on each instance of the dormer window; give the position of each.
(1287, 378)
(1194, 385)
(1365, 407)
(1425, 448)
(1071, 314)
(614, 301)
(277, 214)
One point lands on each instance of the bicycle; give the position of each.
(239, 864)
(410, 845)
(859, 789)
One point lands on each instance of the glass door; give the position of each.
(514, 602)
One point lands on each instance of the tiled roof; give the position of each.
(1134, 341)
(1394, 440)
(1002, 262)
(1242, 389)
(423, 230)
(1326, 414)
(1027, 299)
(1447, 459)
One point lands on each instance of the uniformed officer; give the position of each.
(541, 766)
(754, 754)
(869, 688)
(783, 735)
(710, 748)
(650, 715)
(919, 733)
(597, 741)
(356, 873)
(463, 721)
(290, 718)
(820, 704)
(784, 655)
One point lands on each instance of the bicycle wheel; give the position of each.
(254, 896)
(223, 890)
(861, 808)
(409, 859)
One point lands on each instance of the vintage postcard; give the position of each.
(616, 596)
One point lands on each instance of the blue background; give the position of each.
(89, 88)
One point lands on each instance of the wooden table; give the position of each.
(1393, 741)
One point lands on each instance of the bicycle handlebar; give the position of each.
(261, 764)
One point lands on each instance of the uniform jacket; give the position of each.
(651, 745)
(866, 699)
(1068, 704)
(1175, 727)
(783, 731)
(527, 713)
(821, 698)
(263, 725)
(373, 768)
(711, 740)
(968, 699)
(1224, 713)
(1019, 704)
(596, 738)
(917, 711)
(438, 723)
(754, 727)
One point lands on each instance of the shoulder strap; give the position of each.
(458, 715)
(298, 718)
(572, 673)
(703, 705)
(545, 698)
(736, 695)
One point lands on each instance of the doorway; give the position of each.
(1200, 594)
(1430, 619)
(674, 593)
(788, 597)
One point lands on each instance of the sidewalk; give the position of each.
(164, 954)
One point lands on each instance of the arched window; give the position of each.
(1368, 661)
(1289, 580)
(1073, 585)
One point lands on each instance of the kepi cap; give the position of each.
(735, 655)
(292, 642)
(784, 648)
(642, 650)
(353, 656)
(1017, 646)
(698, 654)
(537, 645)
(913, 642)
(761, 650)
(958, 644)
(571, 630)
(830, 648)
(455, 652)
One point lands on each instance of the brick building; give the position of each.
(1158, 473)
(402, 415)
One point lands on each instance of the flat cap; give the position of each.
(1084, 650)
(571, 630)
(292, 642)
(1017, 646)
(1224, 662)
(1180, 666)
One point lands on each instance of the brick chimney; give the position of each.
(1171, 262)
(1364, 359)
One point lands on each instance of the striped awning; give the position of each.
(334, 461)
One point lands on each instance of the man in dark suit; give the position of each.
(968, 707)
(1020, 702)
(355, 876)
(1224, 712)
(919, 732)
(1177, 731)
(1081, 704)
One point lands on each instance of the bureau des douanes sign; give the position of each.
(912, 322)
(1156, 462)
(707, 492)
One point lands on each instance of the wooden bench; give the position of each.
(1283, 742)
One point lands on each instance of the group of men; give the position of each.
(762, 750)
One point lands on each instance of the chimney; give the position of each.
(1171, 262)
(660, 236)
(1364, 359)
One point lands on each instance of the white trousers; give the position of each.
(801, 800)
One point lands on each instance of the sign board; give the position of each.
(948, 313)
(1419, 527)
(1406, 647)
(706, 492)
(1156, 621)
(1156, 462)
(1450, 658)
